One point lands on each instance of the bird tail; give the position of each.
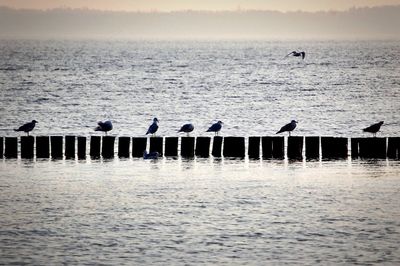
(280, 131)
(16, 129)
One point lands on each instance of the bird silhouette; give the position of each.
(215, 127)
(373, 128)
(104, 126)
(27, 127)
(153, 127)
(288, 127)
(187, 128)
(297, 54)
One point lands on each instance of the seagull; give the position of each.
(187, 128)
(297, 54)
(373, 128)
(288, 127)
(153, 127)
(215, 127)
(27, 127)
(104, 126)
(151, 155)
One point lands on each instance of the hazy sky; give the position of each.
(170, 5)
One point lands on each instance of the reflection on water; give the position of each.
(203, 211)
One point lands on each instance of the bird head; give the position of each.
(34, 121)
(220, 122)
(294, 121)
(381, 122)
(155, 120)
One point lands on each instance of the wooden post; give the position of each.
(156, 145)
(217, 146)
(373, 148)
(334, 148)
(254, 148)
(393, 151)
(278, 147)
(1, 147)
(171, 146)
(107, 149)
(42, 147)
(82, 148)
(11, 150)
(312, 148)
(295, 147)
(354, 147)
(203, 146)
(95, 142)
(27, 143)
(123, 147)
(56, 147)
(187, 147)
(138, 147)
(70, 147)
(266, 145)
(234, 147)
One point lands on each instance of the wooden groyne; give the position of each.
(255, 147)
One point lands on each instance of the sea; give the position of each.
(200, 211)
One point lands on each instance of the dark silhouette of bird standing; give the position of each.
(153, 127)
(215, 127)
(104, 126)
(373, 128)
(187, 128)
(297, 54)
(27, 127)
(288, 127)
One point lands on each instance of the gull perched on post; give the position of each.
(27, 127)
(104, 126)
(153, 127)
(215, 127)
(288, 127)
(373, 128)
(187, 128)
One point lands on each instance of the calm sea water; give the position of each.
(200, 211)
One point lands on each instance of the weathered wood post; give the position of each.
(354, 143)
(27, 143)
(81, 148)
(11, 147)
(56, 147)
(254, 148)
(156, 145)
(107, 148)
(123, 147)
(171, 146)
(217, 146)
(95, 142)
(278, 147)
(1, 147)
(334, 148)
(393, 151)
(372, 148)
(187, 147)
(312, 148)
(203, 146)
(138, 146)
(42, 147)
(234, 147)
(266, 145)
(70, 147)
(295, 147)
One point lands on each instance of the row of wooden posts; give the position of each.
(258, 147)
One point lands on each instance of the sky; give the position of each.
(213, 5)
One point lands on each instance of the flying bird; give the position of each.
(215, 127)
(297, 54)
(187, 128)
(373, 128)
(288, 127)
(104, 126)
(153, 127)
(27, 127)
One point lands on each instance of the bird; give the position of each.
(215, 127)
(373, 128)
(104, 126)
(150, 155)
(297, 54)
(27, 127)
(153, 127)
(187, 128)
(288, 127)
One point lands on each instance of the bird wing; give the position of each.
(289, 54)
(303, 54)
